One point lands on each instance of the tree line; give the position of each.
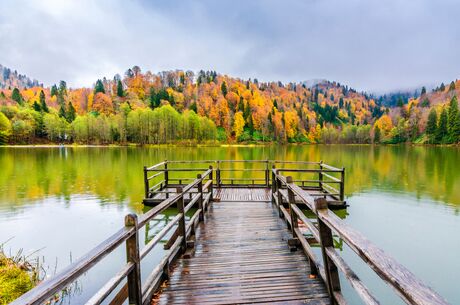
(172, 106)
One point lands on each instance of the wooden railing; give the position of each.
(317, 176)
(404, 283)
(287, 194)
(134, 290)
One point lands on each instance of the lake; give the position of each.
(61, 202)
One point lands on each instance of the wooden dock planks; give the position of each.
(242, 194)
(242, 257)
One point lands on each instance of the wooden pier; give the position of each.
(318, 178)
(242, 234)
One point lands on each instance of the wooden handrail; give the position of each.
(331, 167)
(299, 170)
(156, 165)
(46, 289)
(131, 270)
(110, 286)
(406, 285)
(155, 175)
(404, 282)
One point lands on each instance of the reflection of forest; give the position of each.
(115, 174)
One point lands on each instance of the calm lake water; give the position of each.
(64, 201)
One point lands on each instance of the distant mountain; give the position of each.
(393, 99)
(313, 82)
(12, 79)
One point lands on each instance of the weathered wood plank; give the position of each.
(241, 256)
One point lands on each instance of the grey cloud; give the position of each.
(370, 45)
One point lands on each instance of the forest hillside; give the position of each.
(183, 106)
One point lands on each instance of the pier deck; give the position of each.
(241, 256)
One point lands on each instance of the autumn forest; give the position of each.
(206, 107)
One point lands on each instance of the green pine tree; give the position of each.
(452, 86)
(71, 113)
(193, 107)
(456, 129)
(224, 89)
(431, 125)
(99, 87)
(36, 106)
(40, 125)
(441, 131)
(453, 136)
(62, 112)
(425, 103)
(377, 134)
(43, 105)
(120, 91)
(62, 88)
(241, 104)
(341, 102)
(247, 113)
(250, 124)
(54, 90)
(16, 96)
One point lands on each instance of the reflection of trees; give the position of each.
(155, 225)
(115, 174)
(427, 171)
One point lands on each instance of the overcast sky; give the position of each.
(370, 45)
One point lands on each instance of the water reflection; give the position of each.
(67, 200)
(114, 175)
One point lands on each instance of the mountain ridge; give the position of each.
(227, 109)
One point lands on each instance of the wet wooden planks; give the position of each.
(242, 257)
(223, 194)
(242, 194)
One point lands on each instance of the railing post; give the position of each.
(342, 185)
(166, 178)
(320, 175)
(200, 200)
(132, 256)
(182, 225)
(278, 192)
(326, 240)
(146, 183)
(210, 186)
(267, 175)
(273, 184)
(218, 174)
(291, 199)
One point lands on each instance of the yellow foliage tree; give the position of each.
(291, 122)
(385, 124)
(238, 124)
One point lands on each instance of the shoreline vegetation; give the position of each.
(181, 107)
(192, 144)
(18, 275)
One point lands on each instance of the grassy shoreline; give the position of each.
(17, 276)
(73, 145)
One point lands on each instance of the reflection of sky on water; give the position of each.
(64, 230)
(419, 233)
(65, 202)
